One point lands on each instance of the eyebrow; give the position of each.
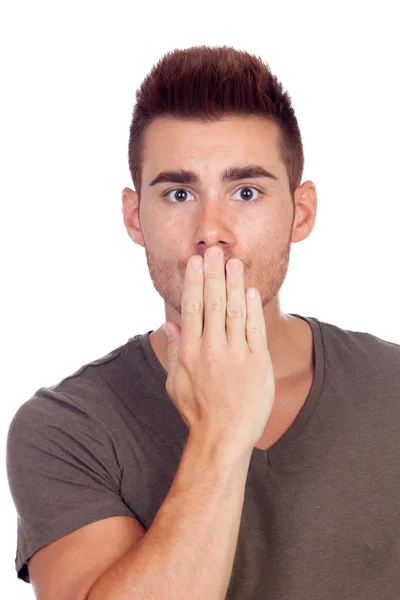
(231, 174)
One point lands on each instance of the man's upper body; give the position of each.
(321, 509)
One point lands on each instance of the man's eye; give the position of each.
(180, 194)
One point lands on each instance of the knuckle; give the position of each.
(214, 304)
(192, 306)
(235, 312)
(185, 361)
(253, 329)
(213, 275)
(186, 365)
(168, 387)
(185, 354)
(212, 355)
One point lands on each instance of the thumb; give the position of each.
(172, 347)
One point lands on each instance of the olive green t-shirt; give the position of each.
(321, 513)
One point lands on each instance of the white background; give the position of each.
(74, 286)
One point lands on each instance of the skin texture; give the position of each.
(259, 233)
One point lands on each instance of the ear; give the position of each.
(130, 211)
(305, 211)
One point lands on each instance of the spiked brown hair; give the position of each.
(210, 82)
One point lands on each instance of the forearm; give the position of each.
(189, 549)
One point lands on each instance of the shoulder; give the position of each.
(361, 354)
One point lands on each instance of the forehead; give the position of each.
(171, 143)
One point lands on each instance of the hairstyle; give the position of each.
(207, 83)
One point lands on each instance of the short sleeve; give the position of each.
(62, 469)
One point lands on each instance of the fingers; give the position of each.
(204, 300)
(192, 304)
(236, 310)
(244, 315)
(214, 296)
(256, 334)
(229, 316)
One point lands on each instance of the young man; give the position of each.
(253, 455)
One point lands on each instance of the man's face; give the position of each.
(250, 219)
